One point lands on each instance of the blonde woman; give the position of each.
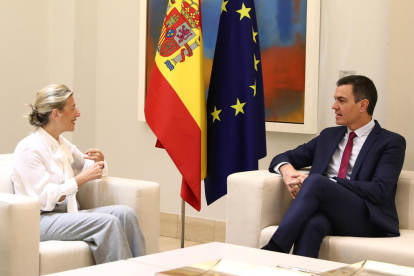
(48, 167)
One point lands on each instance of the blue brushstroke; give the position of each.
(210, 15)
(284, 15)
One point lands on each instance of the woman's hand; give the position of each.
(91, 173)
(94, 171)
(95, 155)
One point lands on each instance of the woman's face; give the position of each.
(68, 116)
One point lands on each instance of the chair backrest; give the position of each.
(404, 200)
(6, 184)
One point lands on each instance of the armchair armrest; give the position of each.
(19, 235)
(255, 200)
(142, 196)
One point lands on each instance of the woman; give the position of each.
(48, 167)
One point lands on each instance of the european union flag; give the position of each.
(236, 134)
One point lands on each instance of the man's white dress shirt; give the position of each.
(45, 168)
(335, 163)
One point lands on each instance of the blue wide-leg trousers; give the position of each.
(112, 232)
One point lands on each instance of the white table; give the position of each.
(119, 268)
(151, 264)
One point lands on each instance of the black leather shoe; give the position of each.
(272, 246)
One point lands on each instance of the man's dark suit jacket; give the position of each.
(375, 173)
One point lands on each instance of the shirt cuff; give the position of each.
(69, 187)
(105, 169)
(87, 164)
(277, 167)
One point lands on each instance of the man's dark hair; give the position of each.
(363, 88)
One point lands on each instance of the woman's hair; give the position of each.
(51, 97)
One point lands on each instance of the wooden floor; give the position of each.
(167, 243)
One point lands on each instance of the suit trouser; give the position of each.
(321, 208)
(112, 232)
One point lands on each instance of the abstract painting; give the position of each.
(283, 30)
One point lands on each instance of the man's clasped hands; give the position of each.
(292, 178)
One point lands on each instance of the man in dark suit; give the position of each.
(350, 190)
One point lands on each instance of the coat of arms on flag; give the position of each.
(178, 33)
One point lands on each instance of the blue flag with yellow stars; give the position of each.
(236, 134)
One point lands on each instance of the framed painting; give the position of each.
(289, 41)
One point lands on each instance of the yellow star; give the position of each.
(255, 62)
(254, 35)
(223, 6)
(238, 107)
(244, 12)
(254, 88)
(216, 114)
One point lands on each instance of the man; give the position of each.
(350, 190)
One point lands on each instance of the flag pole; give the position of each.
(182, 222)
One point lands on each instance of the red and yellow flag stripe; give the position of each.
(175, 107)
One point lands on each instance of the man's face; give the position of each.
(347, 111)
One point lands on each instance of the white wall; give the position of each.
(24, 64)
(39, 46)
(84, 76)
(62, 40)
(400, 101)
(73, 25)
(354, 37)
(101, 51)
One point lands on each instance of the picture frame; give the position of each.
(309, 125)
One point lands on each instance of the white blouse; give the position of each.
(39, 170)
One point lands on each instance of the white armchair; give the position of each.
(22, 254)
(258, 200)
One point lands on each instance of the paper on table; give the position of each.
(371, 268)
(226, 267)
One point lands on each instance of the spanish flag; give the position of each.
(175, 107)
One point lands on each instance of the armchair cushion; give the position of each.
(6, 184)
(404, 200)
(142, 196)
(396, 250)
(76, 254)
(251, 205)
(19, 235)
